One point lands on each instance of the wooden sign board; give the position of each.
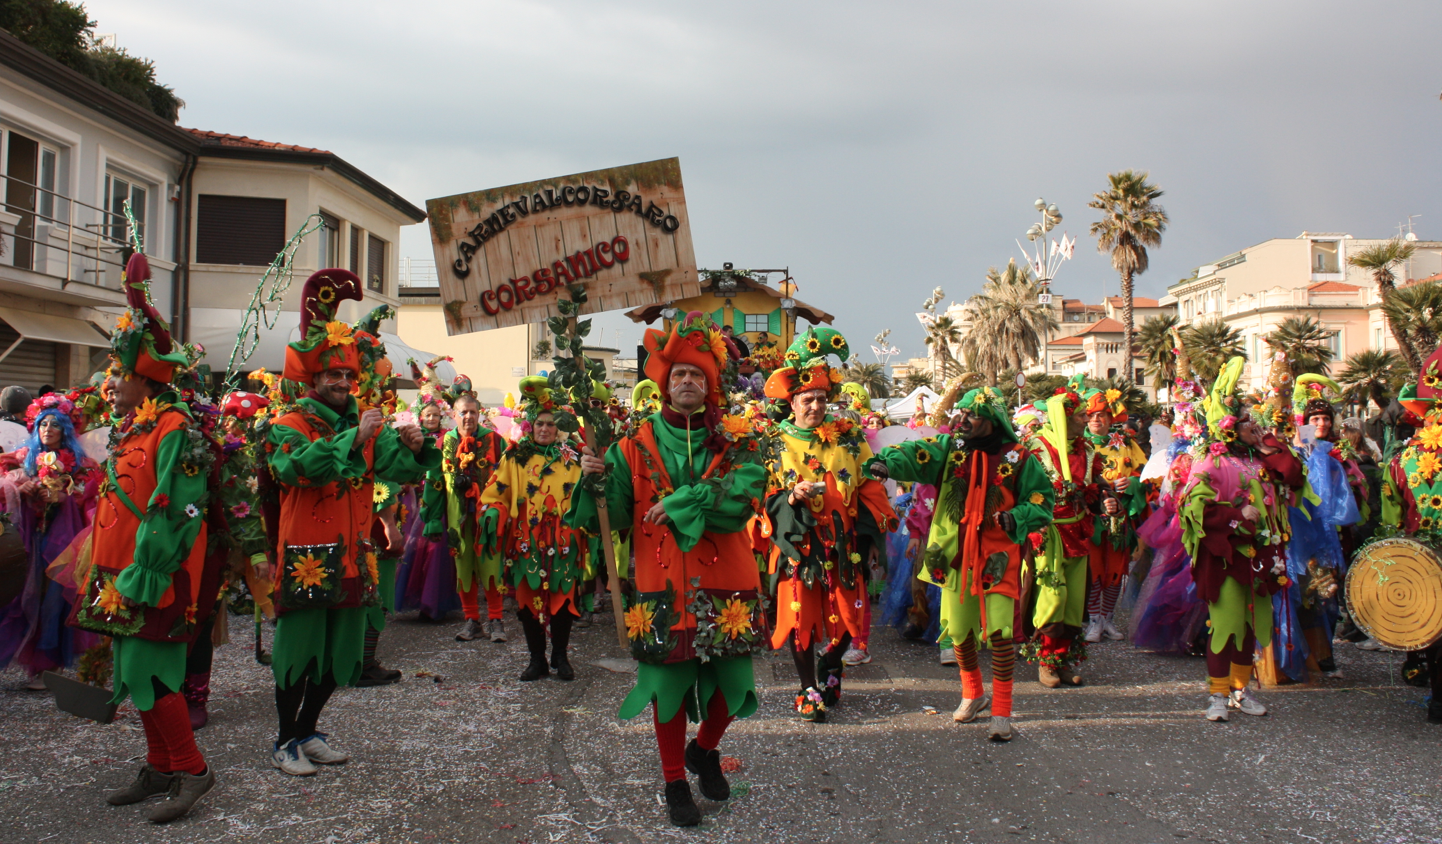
(504, 256)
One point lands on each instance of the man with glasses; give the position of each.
(326, 455)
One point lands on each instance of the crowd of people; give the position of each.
(771, 511)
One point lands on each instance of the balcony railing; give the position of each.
(62, 237)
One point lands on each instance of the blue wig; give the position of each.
(68, 440)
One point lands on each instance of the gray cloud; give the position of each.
(878, 150)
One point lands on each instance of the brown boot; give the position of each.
(1047, 676)
(1069, 677)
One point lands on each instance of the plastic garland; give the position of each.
(278, 276)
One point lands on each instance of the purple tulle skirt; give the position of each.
(1168, 616)
(33, 632)
(426, 578)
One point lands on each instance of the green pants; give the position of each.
(313, 643)
(1061, 592)
(961, 613)
(139, 661)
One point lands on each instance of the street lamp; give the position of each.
(1045, 261)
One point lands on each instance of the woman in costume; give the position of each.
(48, 493)
(426, 578)
(521, 516)
(827, 518)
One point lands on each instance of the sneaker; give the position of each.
(680, 805)
(1370, 644)
(584, 621)
(317, 751)
(185, 791)
(288, 758)
(1242, 699)
(498, 630)
(948, 656)
(148, 783)
(1000, 729)
(706, 765)
(1110, 630)
(1217, 707)
(471, 632)
(1093, 630)
(855, 656)
(969, 709)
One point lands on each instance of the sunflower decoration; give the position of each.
(325, 295)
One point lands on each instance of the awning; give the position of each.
(56, 329)
(398, 353)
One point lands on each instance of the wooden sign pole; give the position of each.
(608, 549)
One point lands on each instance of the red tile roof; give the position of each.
(1074, 340)
(1332, 287)
(1069, 305)
(1105, 325)
(1437, 277)
(222, 139)
(1137, 302)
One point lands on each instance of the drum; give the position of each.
(1394, 593)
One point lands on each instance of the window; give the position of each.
(327, 242)
(356, 235)
(117, 190)
(376, 264)
(28, 165)
(248, 230)
(1141, 377)
(1377, 338)
(49, 163)
(1111, 373)
(1334, 343)
(758, 322)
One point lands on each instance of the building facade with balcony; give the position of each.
(1257, 289)
(210, 210)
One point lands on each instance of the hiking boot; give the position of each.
(185, 791)
(377, 675)
(564, 671)
(288, 758)
(681, 805)
(1217, 708)
(706, 765)
(470, 632)
(969, 709)
(1047, 676)
(1000, 729)
(1242, 699)
(317, 751)
(148, 783)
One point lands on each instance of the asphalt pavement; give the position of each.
(460, 751)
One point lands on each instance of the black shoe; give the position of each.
(536, 670)
(682, 807)
(148, 783)
(375, 675)
(912, 631)
(564, 671)
(706, 765)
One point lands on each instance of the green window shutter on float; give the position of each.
(717, 314)
(775, 321)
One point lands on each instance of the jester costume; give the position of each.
(992, 494)
(822, 543)
(697, 612)
(1236, 524)
(150, 584)
(1114, 540)
(1412, 493)
(328, 571)
(1076, 473)
(426, 577)
(521, 521)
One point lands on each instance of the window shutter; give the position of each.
(246, 230)
(717, 316)
(776, 322)
(31, 364)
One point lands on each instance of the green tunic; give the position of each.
(315, 642)
(162, 543)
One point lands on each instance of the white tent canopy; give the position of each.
(904, 408)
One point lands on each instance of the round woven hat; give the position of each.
(1394, 591)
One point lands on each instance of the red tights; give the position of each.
(671, 735)
(471, 602)
(169, 738)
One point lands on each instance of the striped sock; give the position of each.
(373, 640)
(1003, 662)
(1108, 598)
(971, 687)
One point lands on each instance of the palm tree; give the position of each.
(1379, 261)
(941, 336)
(1158, 352)
(1009, 326)
(1375, 374)
(1131, 221)
(871, 376)
(1305, 343)
(916, 380)
(1416, 312)
(1210, 345)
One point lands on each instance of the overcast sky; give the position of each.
(878, 150)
